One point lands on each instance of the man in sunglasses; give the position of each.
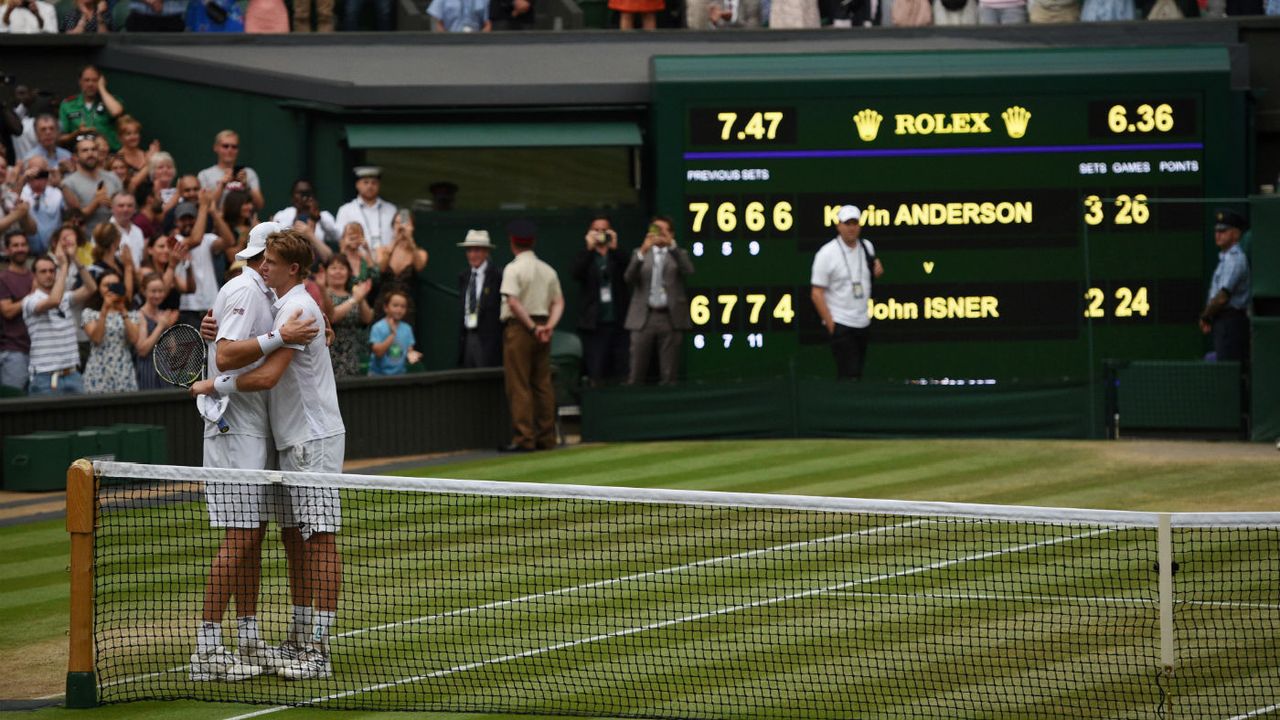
(227, 174)
(305, 216)
(55, 356)
(90, 188)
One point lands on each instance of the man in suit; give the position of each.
(600, 270)
(480, 332)
(659, 311)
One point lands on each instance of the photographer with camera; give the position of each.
(659, 311)
(600, 269)
(305, 216)
(41, 194)
(28, 16)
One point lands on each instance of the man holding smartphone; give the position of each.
(90, 188)
(224, 174)
(659, 311)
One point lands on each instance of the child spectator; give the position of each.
(391, 339)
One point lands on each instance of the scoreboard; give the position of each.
(1036, 212)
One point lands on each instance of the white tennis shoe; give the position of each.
(220, 664)
(257, 652)
(311, 664)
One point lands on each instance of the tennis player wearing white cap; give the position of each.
(243, 311)
(309, 436)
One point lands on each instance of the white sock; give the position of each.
(320, 632)
(300, 626)
(247, 631)
(208, 637)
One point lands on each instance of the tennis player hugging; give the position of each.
(267, 330)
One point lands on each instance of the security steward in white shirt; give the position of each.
(372, 213)
(843, 271)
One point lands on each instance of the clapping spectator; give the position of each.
(162, 262)
(28, 16)
(51, 325)
(111, 256)
(154, 319)
(90, 189)
(88, 16)
(131, 152)
(15, 213)
(391, 338)
(227, 174)
(123, 209)
(157, 194)
(233, 224)
(94, 110)
(460, 15)
(113, 332)
(350, 317)
(15, 284)
(198, 248)
(76, 240)
(44, 200)
(118, 167)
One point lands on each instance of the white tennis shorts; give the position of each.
(314, 510)
(234, 505)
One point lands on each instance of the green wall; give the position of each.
(184, 117)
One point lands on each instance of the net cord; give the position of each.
(805, 503)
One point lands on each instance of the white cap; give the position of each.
(258, 239)
(849, 212)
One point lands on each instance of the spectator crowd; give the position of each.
(275, 16)
(106, 244)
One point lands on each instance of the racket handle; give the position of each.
(223, 426)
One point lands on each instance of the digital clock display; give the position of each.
(1026, 235)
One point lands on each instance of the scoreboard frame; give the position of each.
(1039, 211)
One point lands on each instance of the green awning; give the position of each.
(474, 135)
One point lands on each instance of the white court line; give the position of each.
(675, 621)
(1069, 599)
(1257, 713)
(578, 588)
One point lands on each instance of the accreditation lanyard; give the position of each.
(856, 280)
(375, 231)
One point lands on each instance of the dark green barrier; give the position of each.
(783, 407)
(1265, 401)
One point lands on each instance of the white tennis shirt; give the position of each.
(243, 310)
(838, 268)
(304, 403)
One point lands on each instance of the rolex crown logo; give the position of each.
(1015, 121)
(868, 124)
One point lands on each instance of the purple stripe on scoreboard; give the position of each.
(931, 152)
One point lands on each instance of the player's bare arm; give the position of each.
(235, 354)
(263, 377)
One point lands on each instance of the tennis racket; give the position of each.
(181, 358)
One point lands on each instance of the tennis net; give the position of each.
(471, 596)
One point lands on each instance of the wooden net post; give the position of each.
(82, 684)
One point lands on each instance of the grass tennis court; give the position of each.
(1139, 476)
